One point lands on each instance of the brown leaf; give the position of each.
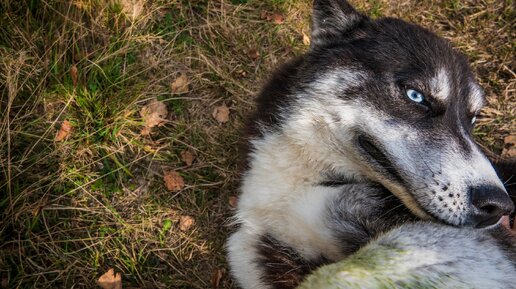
(153, 114)
(173, 181)
(187, 157)
(74, 74)
(233, 201)
(110, 280)
(277, 18)
(306, 39)
(221, 113)
(509, 146)
(185, 222)
(180, 85)
(253, 53)
(64, 131)
(216, 276)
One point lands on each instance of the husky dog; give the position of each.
(357, 139)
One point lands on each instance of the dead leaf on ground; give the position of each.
(277, 18)
(216, 276)
(185, 223)
(233, 201)
(274, 17)
(187, 157)
(306, 39)
(173, 181)
(64, 131)
(509, 146)
(110, 280)
(221, 113)
(74, 75)
(153, 114)
(180, 84)
(253, 53)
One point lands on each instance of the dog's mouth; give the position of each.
(382, 165)
(378, 159)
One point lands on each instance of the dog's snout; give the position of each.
(489, 204)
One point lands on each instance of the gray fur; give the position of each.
(421, 255)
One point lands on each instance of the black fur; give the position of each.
(282, 267)
(334, 20)
(275, 96)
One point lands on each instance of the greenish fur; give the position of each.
(374, 266)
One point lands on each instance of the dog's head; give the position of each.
(401, 104)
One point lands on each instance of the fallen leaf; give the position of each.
(185, 222)
(180, 84)
(509, 146)
(173, 181)
(187, 157)
(74, 74)
(277, 18)
(153, 114)
(110, 280)
(306, 39)
(64, 131)
(216, 276)
(253, 53)
(221, 113)
(233, 201)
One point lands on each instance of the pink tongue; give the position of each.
(506, 224)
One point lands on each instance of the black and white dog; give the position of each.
(357, 139)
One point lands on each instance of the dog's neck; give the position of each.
(281, 191)
(297, 156)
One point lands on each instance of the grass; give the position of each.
(70, 210)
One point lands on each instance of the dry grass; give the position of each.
(70, 210)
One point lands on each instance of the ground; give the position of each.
(82, 184)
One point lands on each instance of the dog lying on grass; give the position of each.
(361, 153)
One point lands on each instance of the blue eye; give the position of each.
(415, 95)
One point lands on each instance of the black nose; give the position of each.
(490, 203)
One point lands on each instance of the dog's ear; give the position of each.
(332, 19)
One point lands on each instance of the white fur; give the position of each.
(241, 247)
(440, 85)
(476, 98)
